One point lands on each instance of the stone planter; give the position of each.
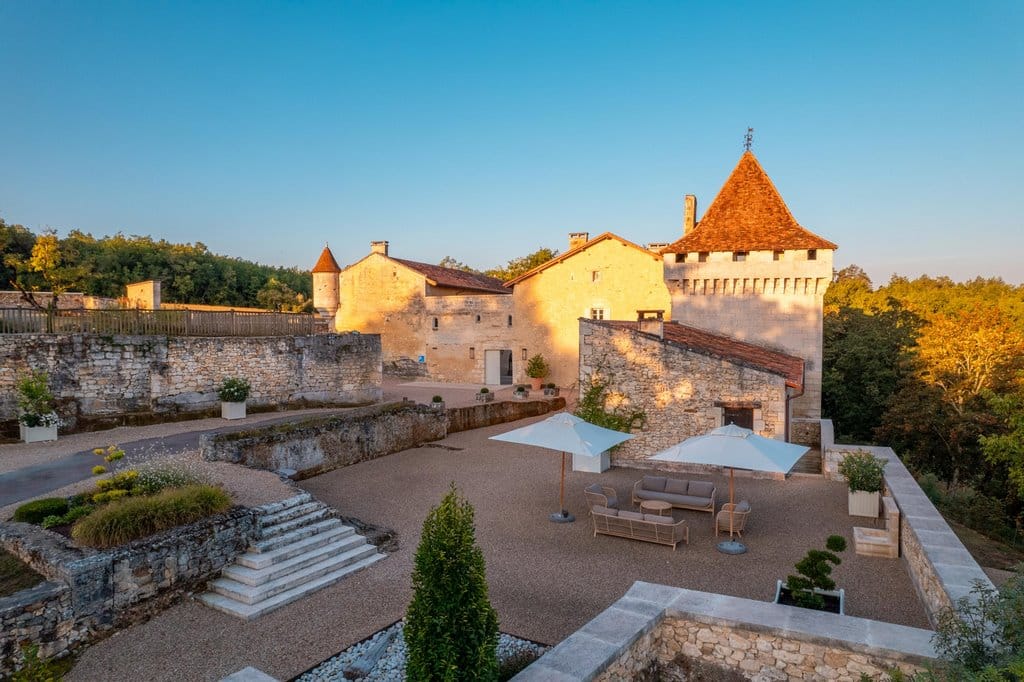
(536, 383)
(835, 600)
(438, 405)
(520, 395)
(232, 410)
(38, 434)
(551, 391)
(862, 503)
(485, 397)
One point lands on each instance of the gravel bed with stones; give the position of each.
(381, 658)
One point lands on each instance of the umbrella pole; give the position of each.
(562, 515)
(731, 546)
(732, 501)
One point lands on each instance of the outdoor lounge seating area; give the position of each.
(681, 494)
(663, 530)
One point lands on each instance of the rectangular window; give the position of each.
(595, 275)
(472, 353)
(524, 354)
(510, 320)
(777, 255)
(597, 313)
(702, 257)
(812, 254)
(680, 257)
(435, 323)
(739, 256)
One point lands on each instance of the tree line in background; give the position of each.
(509, 271)
(934, 369)
(189, 273)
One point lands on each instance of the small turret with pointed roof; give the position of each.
(326, 285)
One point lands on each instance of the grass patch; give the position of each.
(15, 576)
(137, 517)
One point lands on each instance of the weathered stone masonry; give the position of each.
(96, 375)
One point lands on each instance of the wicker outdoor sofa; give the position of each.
(682, 494)
(647, 527)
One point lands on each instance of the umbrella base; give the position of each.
(562, 517)
(731, 547)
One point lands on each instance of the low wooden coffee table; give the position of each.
(655, 507)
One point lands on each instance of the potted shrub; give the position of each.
(551, 389)
(485, 395)
(232, 392)
(437, 402)
(37, 419)
(813, 588)
(521, 393)
(863, 473)
(536, 369)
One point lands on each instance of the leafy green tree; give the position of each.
(1007, 448)
(451, 629)
(519, 266)
(449, 262)
(48, 266)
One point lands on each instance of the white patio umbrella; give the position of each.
(736, 448)
(566, 433)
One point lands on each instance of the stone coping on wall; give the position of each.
(589, 651)
(942, 569)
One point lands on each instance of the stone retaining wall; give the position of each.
(319, 444)
(91, 590)
(654, 631)
(489, 414)
(94, 375)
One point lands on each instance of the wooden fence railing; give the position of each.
(159, 322)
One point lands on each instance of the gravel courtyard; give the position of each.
(546, 579)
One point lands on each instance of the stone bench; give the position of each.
(882, 542)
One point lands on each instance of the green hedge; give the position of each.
(37, 510)
(138, 517)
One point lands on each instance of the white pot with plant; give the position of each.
(232, 393)
(863, 473)
(37, 419)
(537, 368)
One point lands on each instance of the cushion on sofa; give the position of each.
(651, 495)
(598, 509)
(654, 484)
(676, 486)
(654, 518)
(743, 506)
(691, 501)
(635, 516)
(700, 488)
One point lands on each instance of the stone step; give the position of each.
(278, 569)
(258, 560)
(250, 611)
(250, 594)
(288, 538)
(288, 514)
(275, 507)
(319, 513)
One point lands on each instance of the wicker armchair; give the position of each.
(601, 496)
(740, 512)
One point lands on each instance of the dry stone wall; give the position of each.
(676, 389)
(95, 375)
(41, 615)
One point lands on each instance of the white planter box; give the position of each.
(38, 434)
(232, 410)
(863, 504)
(591, 465)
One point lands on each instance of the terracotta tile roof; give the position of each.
(326, 262)
(456, 279)
(727, 348)
(572, 252)
(748, 215)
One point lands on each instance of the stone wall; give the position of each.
(91, 591)
(676, 388)
(656, 630)
(488, 414)
(66, 301)
(805, 432)
(941, 568)
(94, 375)
(319, 444)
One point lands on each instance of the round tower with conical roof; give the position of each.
(326, 298)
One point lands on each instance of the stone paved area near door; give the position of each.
(546, 580)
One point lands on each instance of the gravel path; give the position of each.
(546, 580)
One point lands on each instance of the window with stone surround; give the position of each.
(597, 313)
(777, 255)
(702, 257)
(812, 254)
(435, 323)
(595, 275)
(739, 256)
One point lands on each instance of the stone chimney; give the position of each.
(656, 247)
(577, 239)
(379, 247)
(689, 213)
(651, 322)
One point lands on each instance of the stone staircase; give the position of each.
(302, 548)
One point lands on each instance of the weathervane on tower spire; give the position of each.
(748, 139)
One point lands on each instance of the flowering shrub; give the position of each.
(35, 402)
(234, 390)
(159, 475)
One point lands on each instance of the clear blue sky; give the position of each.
(486, 130)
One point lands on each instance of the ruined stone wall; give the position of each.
(772, 303)
(67, 301)
(96, 375)
(677, 389)
(489, 414)
(609, 275)
(40, 615)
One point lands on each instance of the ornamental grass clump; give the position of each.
(451, 629)
(137, 517)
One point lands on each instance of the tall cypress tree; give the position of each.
(451, 629)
